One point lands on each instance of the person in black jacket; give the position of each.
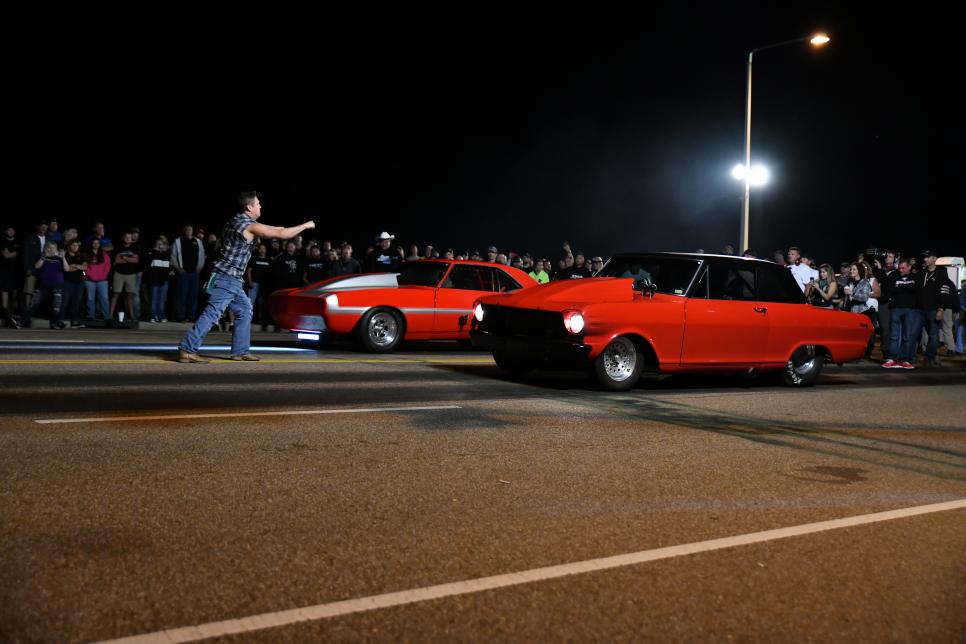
(906, 319)
(935, 290)
(383, 258)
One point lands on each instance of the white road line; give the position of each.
(362, 604)
(303, 412)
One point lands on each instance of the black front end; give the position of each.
(531, 335)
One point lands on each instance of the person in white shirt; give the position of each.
(802, 272)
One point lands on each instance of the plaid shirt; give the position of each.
(235, 250)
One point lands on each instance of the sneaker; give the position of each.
(77, 325)
(891, 364)
(907, 365)
(59, 325)
(163, 320)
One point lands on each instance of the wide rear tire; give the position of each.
(803, 367)
(381, 330)
(619, 365)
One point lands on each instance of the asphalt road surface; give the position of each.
(421, 496)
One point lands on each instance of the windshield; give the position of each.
(421, 274)
(672, 275)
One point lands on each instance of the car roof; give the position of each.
(468, 262)
(699, 256)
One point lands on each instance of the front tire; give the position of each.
(381, 330)
(803, 367)
(619, 365)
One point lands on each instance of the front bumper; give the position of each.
(540, 352)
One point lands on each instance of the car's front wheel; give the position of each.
(618, 367)
(803, 367)
(381, 330)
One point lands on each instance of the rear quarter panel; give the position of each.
(352, 305)
(845, 335)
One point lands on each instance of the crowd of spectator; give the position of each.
(79, 280)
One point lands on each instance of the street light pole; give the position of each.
(817, 40)
(746, 201)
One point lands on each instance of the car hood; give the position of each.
(557, 296)
(351, 283)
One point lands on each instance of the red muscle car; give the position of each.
(427, 300)
(670, 313)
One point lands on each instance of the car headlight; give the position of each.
(478, 312)
(573, 321)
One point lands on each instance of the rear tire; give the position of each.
(513, 365)
(803, 367)
(381, 330)
(619, 365)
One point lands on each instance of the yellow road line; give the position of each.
(217, 360)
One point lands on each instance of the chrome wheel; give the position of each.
(620, 359)
(804, 366)
(383, 329)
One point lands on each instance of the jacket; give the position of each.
(177, 259)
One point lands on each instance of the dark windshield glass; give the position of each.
(672, 275)
(421, 274)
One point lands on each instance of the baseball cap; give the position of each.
(929, 253)
(492, 249)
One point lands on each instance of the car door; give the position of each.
(455, 296)
(788, 316)
(724, 322)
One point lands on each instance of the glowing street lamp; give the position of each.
(756, 178)
(816, 40)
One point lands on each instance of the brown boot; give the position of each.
(248, 357)
(184, 356)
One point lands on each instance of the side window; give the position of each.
(777, 284)
(731, 283)
(506, 283)
(471, 278)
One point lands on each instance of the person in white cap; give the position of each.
(382, 258)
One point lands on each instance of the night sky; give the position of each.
(477, 124)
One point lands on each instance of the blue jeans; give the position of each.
(98, 289)
(187, 296)
(73, 296)
(41, 294)
(906, 327)
(960, 331)
(931, 325)
(227, 292)
(257, 296)
(159, 299)
(137, 297)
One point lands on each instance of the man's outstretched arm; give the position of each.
(264, 231)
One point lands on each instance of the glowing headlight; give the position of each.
(573, 321)
(478, 312)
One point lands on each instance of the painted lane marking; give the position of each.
(333, 609)
(218, 361)
(59, 346)
(305, 412)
